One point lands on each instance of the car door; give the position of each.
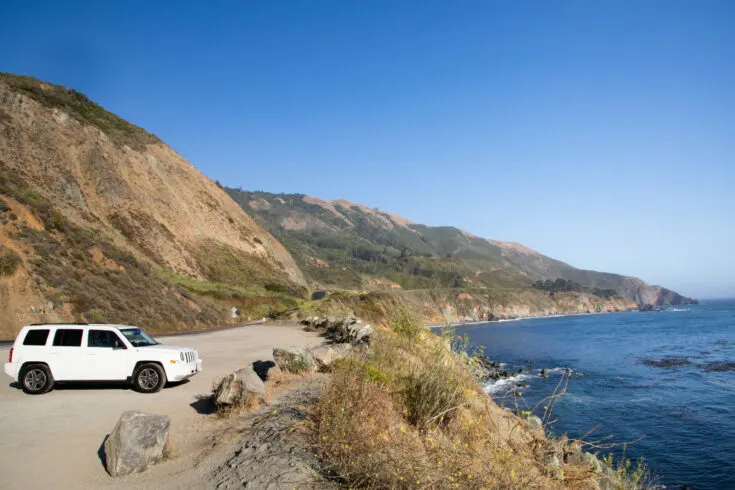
(106, 356)
(66, 359)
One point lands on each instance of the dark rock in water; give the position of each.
(717, 367)
(542, 373)
(666, 362)
(520, 371)
(649, 307)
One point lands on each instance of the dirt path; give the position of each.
(52, 440)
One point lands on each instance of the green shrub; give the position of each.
(82, 109)
(406, 323)
(627, 476)
(434, 390)
(365, 369)
(9, 262)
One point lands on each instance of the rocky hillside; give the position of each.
(102, 221)
(346, 245)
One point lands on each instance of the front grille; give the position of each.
(189, 356)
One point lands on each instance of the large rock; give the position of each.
(294, 359)
(325, 355)
(354, 333)
(535, 423)
(241, 388)
(137, 441)
(581, 458)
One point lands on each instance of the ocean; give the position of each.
(668, 376)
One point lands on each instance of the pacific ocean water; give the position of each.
(668, 376)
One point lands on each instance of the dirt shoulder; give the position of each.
(65, 428)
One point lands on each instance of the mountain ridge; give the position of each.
(297, 219)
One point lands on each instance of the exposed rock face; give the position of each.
(643, 294)
(294, 360)
(66, 164)
(137, 441)
(274, 455)
(242, 388)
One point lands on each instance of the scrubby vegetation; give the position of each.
(9, 261)
(222, 264)
(81, 108)
(409, 415)
(104, 283)
(404, 418)
(116, 288)
(359, 249)
(343, 247)
(558, 285)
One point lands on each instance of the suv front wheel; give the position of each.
(36, 379)
(149, 378)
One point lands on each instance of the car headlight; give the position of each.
(181, 356)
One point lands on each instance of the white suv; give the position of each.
(48, 353)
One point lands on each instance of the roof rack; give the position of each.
(60, 323)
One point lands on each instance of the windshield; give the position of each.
(137, 337)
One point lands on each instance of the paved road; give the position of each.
(52, 440)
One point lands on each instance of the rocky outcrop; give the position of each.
(644, 294)
(138, 440)
(341, 330)
(239, 389)
(294, 360)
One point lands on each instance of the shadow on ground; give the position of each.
(101, 452)
(261, 368)
(203, 405)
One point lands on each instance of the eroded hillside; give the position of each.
(101, 221)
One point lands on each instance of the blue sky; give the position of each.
(600, 133)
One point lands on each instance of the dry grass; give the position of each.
(408, 415)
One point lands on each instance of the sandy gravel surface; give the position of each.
(52, 440)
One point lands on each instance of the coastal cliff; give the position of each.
(101, 221)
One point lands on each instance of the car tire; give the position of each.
(149, 378)
(36, 379)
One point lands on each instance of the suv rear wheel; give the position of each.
(36, 379)
(149, 378)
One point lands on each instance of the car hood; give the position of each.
(162, 347)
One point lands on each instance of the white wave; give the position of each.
(679, 309)
(505, 384)
(556, 370)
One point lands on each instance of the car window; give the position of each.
(104, 338)
(36, 337)
(68, 337)
(137, 337)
